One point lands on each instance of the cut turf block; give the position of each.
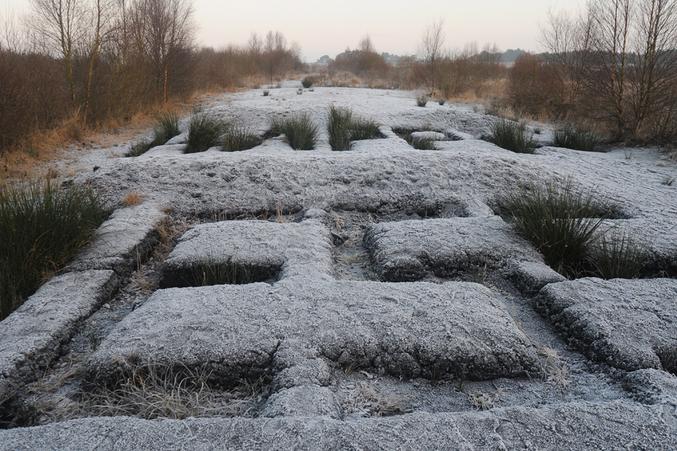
(459, 330)
(628, 324)
(409, 250)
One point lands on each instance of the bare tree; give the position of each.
(275, 49)
(60, 24)
(433, 47)
(101, 25)
(366, 45)
(163, 29)
(654, 73)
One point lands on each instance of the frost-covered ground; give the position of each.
(372, 283)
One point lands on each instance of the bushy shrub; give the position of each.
(512, 136)
(339, 124)
(237, 138)
(266, 93)
(560, 222)
(308, 82)
(166, 127)
(577, 139)
(300, 130)
(205, 132)
(422, 100)
(42, 228)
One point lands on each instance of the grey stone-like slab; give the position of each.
(652, 386)
(628, 324)
(302, 401)
(178, 139)
(296, 248)
(167, 150)
(123, 240)
(430, 330)
(580, 426)
(31, 337)
(409, 250)
(531, 277)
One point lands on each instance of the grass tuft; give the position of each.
(343, 128)
(300, 130)
(339, 127)
(205, 133)
(238, 138)
(560, 222)
(512, 136)
(42, 228)
(166, 128)
(577, 139)
(621, 258)
(362, 129)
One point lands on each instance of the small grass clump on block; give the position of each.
(620, 258)
(339, 127)
(205, 132)
(238, 138)
(422, 143)
(560, 222)
(422, 100)
(512, 136)
(577, 139)
(166, 128)
(42, 227)
(300, 130)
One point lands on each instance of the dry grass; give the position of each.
(484, 401)
(157, 391)
(554, 370)
(132, 199)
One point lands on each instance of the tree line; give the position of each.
(614, 64)
(87, 61)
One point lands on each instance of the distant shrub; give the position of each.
(577, 139)
(422, 100)
(308, 82)
(166, 127)
(300, 130)
(560, 222)
(620, 258)
(442, 101)
(339, 125)
(266, 93)
(512, 136)
(205, 132)
(237, 138)
(42, 228)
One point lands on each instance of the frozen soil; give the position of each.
(355, 299)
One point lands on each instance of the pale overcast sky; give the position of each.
(395, 26)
